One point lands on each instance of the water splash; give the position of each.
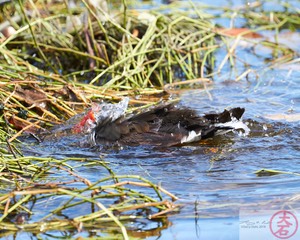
(111, 111)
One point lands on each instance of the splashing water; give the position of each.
(111, 111)
(100, 113)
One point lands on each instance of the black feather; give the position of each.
(163, 125)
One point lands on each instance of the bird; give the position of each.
(164, 124)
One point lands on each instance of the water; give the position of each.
(215, 180)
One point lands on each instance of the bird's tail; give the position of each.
(221, 123)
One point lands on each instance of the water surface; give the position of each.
(216, 179)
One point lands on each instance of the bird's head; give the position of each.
(89, 120)
(100, 113)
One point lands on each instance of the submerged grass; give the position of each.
(105, 201)
(58, 58)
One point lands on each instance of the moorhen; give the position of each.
(161, 125)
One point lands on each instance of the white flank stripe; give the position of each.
(192, 137)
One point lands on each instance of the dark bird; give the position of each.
(161, 125)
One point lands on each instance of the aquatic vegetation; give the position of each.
(57, 58)
(111, 199)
